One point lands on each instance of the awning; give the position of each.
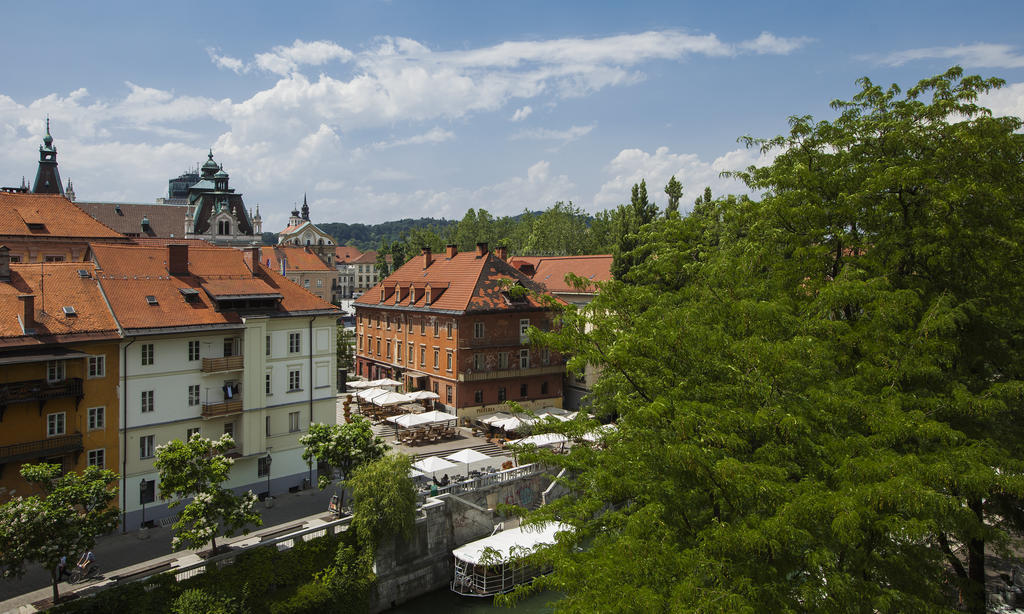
(39, 356)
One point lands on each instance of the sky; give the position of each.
(380, 110)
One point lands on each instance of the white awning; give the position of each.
(526, 538)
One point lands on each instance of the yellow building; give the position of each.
(58, 370)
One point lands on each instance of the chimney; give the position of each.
(427, 259)
(5, 263)
(450, 251)
(500, 252)
(177, 259)
(28, 318)
(481, 250)
(251, 256)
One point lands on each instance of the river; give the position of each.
(445, 601)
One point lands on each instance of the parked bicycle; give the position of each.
(78, 575)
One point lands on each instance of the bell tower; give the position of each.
(47, 177)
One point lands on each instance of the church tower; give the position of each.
(47, 177)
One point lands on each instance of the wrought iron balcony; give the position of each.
(476, 376)
(38, 390)
(219, 365)
(224, 408)
(51, 446)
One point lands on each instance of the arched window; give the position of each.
(223, 227)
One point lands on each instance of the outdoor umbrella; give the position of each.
(542, 440)
(390, 398)
(467, 456)
(370, 393)
(423, 395)
(432, 465)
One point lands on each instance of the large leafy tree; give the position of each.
(384, 499)
(192, 473)
(342, 446)
(820, 394)
(65, 521)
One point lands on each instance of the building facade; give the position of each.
(304, 267)
(457, 324)
(49, 228)
(216, 213)
(303, 233)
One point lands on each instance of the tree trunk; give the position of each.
(55, 580)
(975, 597)
(213, 545)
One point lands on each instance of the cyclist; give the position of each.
(86, 562)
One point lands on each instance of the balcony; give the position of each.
(38, 390)
(51, 446)
(221, 365)
(476, 376)
(224, 408)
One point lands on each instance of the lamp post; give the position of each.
(268, 461)
(143, 532)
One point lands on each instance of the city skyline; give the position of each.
(385, 110)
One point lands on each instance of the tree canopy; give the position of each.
(820, 394)
(344, 446)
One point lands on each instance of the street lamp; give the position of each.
(142, 498)
(268, 460)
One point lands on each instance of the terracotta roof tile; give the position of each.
(345, 254)
(58, 216)
(299, 258)
(368, 257)
(126, 218)
(551, 271)
(61, 286)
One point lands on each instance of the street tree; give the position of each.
(342, 446)
(346, 348)
(820, 394)
(72, 510)
(192, 473)
(384, 499)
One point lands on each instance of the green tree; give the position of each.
(820, 394)
(342, 446)
(384, 499)
(674, 189)
(64, 521)
(561, 230)
(194, 471)
(346, 349)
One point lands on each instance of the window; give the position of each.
(55, 424)
(193, 395)
(305, 282)
(398, 351)
(230, 346)
(387, 322)
(478, 330)
(437, 328)
(434, 387)
(53, 258)
(378, 347)
(223, 227)
(522, 391)
(293, 380)
(147, 491)
(410, 354)
(55, 371)
(448, 359)
(294, 343)
(97, 418)
(437, 358)
(398, 323)
(448, 394)
(147, 354)
(478, 362)
(293, 421)
(97, 366)
(190, 432)
(524, 327)
(501, 394)
(423, 326)
(146, 447)
(543, 387)
(267, 426)
(387, 347)
(524, 358)
(377, 319)
(262, 467)
(229, 429)
(360, 343)
(193, 350)
(147, 401)
(502, 360)
(268, 345)
(98, 458)
(319, 283)
(423, 355)
(266, 383)
(545, 356)
(448, 329)
(478, 396)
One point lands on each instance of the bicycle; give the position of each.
(77, 575)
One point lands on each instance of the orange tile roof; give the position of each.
(299, 258)
(165, 241)
(345, 254)
(291, 229)
(551, 271)
(368, 257)
(464, 283)
(61, 286)
(58, 216)
(128, 274)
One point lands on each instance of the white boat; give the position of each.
(493, 565)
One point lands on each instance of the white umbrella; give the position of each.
(514, 423)
(495, 417)
(370, 393)
(423, 395)
(362, 384)
(467, 456)
(388, 382)
(390, 398)
(432, 465)
(427, 417)
(542, 440)
(600, 432)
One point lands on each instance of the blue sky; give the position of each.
(383, 110)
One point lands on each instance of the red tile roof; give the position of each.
(58, 216)
(61, 286)
(299, 258)
(128, 274)
(551, 271)
(345, 254)
(368, 257)
(465, 283)
(164, 242)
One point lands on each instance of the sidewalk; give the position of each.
(122, 554)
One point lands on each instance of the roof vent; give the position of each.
(190, 294)
(151, 300)
(117, 210)
(70, 312)
(84, 274)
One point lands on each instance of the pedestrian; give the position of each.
(62, 569)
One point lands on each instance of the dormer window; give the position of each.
(223, 227)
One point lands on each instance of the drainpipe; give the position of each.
(124, 438)
(311, 318)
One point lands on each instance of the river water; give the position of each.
(445, 601)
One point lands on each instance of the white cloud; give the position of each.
(223, 61)
(544, 134)
(768, 43)
(1008, 100)
(435, 135)
(631, 166)
(989, 55)
(521, 113)
(283, 60)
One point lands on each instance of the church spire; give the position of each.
(47, 177)
(305, 208)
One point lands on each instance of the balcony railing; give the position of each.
(225, 408)
(39, 390)
(475, 376)
(51, 446)
(227, 363)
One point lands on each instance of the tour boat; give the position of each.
(493, 565)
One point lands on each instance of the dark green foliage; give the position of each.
(385, 499)
(370, 236)
(674, 189)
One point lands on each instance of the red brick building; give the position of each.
(449, 323)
